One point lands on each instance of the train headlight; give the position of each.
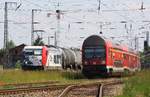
(85, 62)
(94, 63)
(26, 62)
(103, 62)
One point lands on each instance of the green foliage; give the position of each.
(38, 42)
(18, 64)
(147, 92)
(145, 58)
(72, 75)
(10, 44)
(2, 52)
(19, 76)
(138, 85)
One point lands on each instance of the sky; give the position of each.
(119, 20)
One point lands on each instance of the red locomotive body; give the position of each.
(101, 56)
(44, 55)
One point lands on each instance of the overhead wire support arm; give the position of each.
(32, 25)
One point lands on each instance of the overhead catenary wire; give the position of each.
(37, 5)
(67, 12)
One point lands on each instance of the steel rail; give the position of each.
(101, 87)
(99, 92)
(66, 88)
(31, 89)
(29, 84)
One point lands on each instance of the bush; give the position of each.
(18, 64)
(138, 85)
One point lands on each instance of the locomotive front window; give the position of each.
(100, 53)
(94, 53)
(89, 53)
(28, 53)
(38, 52)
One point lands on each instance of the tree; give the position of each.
(145, 58)
(4, 52)
(10, 44)
(38, 42)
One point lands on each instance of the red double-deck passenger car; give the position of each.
(101, 56)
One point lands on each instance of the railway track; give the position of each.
(39, 89)
(96, 89)
(105, 89)
(31, 89)
(110, 89)
(26, 85)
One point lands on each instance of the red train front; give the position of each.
(100, 56)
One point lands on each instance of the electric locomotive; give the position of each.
(51, 57)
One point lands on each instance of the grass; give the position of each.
(138, 85)
(19, 76)
(1, 67)
(62, 77)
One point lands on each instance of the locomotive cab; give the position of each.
(94, 55)
(32, 57)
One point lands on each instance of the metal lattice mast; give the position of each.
(58, 26)
(32, 28)
(5, 26)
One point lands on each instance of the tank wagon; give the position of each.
(71, 58)
(102, 56)
(51, 57)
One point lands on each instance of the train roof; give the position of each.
(33, 47)
(94, 40)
